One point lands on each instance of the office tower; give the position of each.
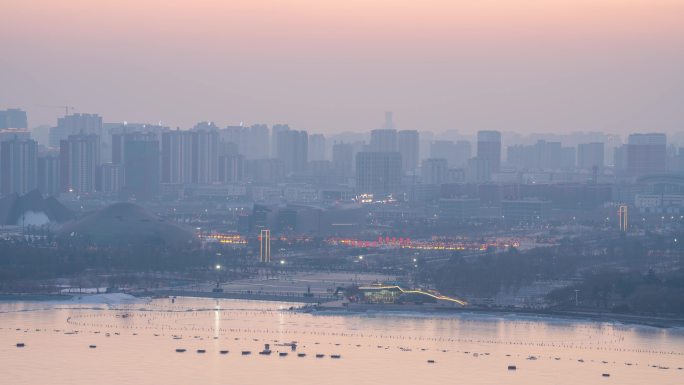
(73, 125)
(590, 155)
(176, 157)
(48, 174)
(383, 140)
(205, 156)
(141, 166)
(316, 147)
(18, 165)
(275, 131)
(489, 149)
(378, 172)
(13, 118)
(434, 171)
(568, 158)
(646, 154)
(293, 151)
(343, 159)
(112, 176)
(408, 144)
(79, 159)
(479, 170)
(265, 246)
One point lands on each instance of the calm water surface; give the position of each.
(136, 343)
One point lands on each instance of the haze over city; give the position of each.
(342, 192)
(329, 66)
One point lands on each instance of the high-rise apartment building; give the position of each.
(343, 160)
(378, 172)
(316, 147)
(79, 162)
(13, 118)
(383, 140)
(646, 154)
(590, 155)
(276, 129)
(293, 151)
(177, 157)
(141, 166)
(73, 125)
(408, 145)
(18, 166)
(489, 148)
(434, 171)
(456, 154)
(48, 175)
(205, 156)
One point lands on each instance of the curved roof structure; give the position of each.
(127, 223)
(430, 294)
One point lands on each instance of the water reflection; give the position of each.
(140, 340)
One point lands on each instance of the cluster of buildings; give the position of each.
(458, 177)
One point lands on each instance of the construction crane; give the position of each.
(66, 108)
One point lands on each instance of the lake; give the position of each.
(135, 342)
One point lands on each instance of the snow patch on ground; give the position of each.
(108, 299)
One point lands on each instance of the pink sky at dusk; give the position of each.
(324, 66)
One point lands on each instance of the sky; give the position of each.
(337, 65)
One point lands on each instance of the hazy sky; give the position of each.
(330, 65)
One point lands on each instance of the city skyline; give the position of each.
(529, 66)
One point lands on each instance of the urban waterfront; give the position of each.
(114, 339)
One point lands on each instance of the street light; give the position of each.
(217, 289)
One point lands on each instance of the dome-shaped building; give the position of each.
(127, 223)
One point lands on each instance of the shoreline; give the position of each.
(314, 305)
(630, 319)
